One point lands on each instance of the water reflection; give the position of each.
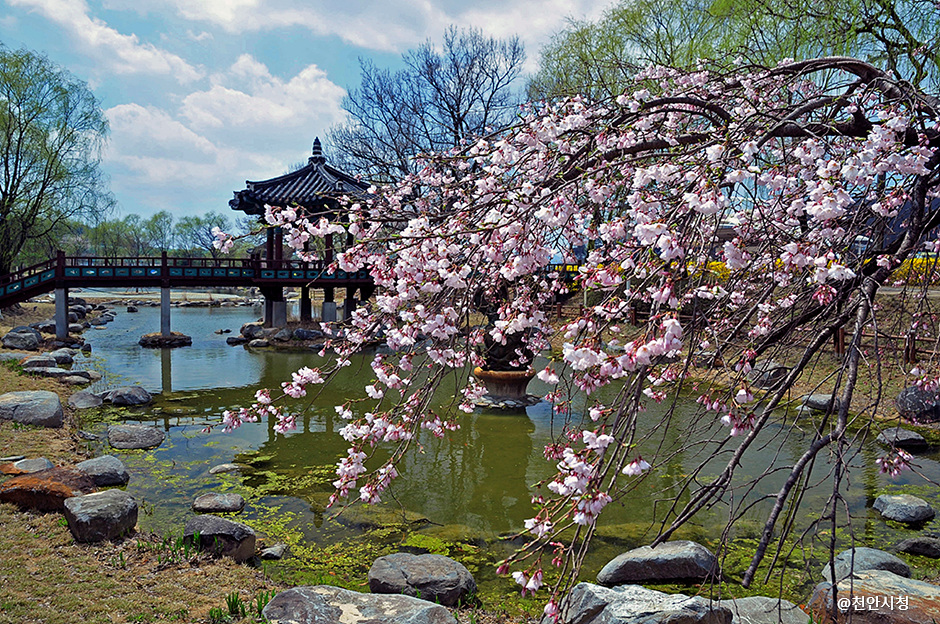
(481, 476)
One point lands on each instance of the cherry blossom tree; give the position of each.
(723, 208)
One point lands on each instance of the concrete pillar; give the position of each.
(165, 311)
(268, 311)
(305, 308)
(61, 313)
(278, 313)
(328, 314)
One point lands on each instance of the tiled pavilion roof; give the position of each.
(314, 186)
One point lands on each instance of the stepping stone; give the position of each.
(274, 552)
(134, 436)
(105, 470)
(764, 610)
(49, 371)
(678, 560)
(322, 604)
(904, 508)
(74, 380)
(62, 356)
(223, 468)
(221, 537)
(767, 375)
(128, 395)
(435, 578)
(101, 516)
(865, 559)
(33, 407)
(37, 361)
(26, 466)
(84, 399)
(820, 402)
(46, 490)
(897, 437)
(218, 503)
(633, 604)
(923, 546)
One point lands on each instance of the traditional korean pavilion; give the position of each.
(314, 190)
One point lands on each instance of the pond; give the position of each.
(462, 495)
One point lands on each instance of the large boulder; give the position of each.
(898, 437)
(855, 560)
(105, 470)
(134, 436)
(101, 516)
(633, 604)
(32, 407)
(322, 604)
(221, 537)
(877, 597)
(46, 490)
(918, 405)
(431, 577)
(128, 395)
(25, 340)
(904, 508)
(764, 610)
(670, 561)
(214, 502)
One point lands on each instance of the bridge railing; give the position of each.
(27, 272)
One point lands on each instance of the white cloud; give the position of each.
(249, 96)
(249, 124)
(120, 53)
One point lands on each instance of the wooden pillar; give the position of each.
(838, 341)
(349, 304)
(305, 308)
(269, 247)
(910, 348)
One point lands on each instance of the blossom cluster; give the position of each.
(771, 173)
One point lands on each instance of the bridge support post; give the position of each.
(165, 311)
(279, 313)
(275, 308)
(61, 313)
(306, 313)
(349, 304)
(328, 314)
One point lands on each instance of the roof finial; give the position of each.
(317, 155)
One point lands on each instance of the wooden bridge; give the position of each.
(165, 272)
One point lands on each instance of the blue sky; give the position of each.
(204, 94)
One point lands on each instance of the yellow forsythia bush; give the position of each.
(918, 271)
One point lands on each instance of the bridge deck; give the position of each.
(164, 271)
